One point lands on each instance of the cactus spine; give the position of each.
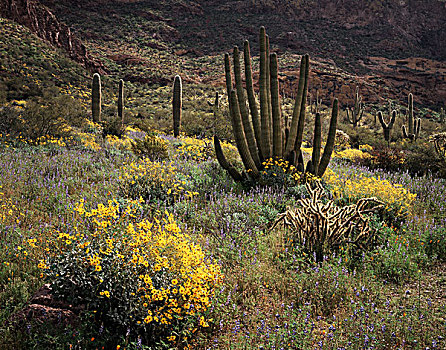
(387, 127)
(96, 96)
(355, 114)
(259, 136)
(177, 105)
(414, 125)
(121, 101)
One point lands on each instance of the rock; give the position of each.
(41, 21)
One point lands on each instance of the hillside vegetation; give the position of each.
(265, 200)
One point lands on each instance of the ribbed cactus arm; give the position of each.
(275, 107)
(264, 108)
(239, 136)
(300, 127)
(297, 106)
(177, 102)
(251, 96)
(317, 142)
(381, 120)
(121, 100)
(228, 76)
(96, 96)
(247, 126)
(410, 113)
(329, 146)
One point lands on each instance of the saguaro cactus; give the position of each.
(414, 125)
(177, 105)
(442, 115)
(387, 127)
(96, 96)
(355, 113)
(121, 101)
(260, 136)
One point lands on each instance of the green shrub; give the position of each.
(393, 259)
(435, 243)
(112, 127)
(152, 147)
(154, 182)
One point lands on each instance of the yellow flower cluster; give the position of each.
(88, 140)
(9, 213)
(50, 140)
(277, 167)
(123, 143)
(203, 149)
(195, 149)
(394, 195)
(351, 154)
(170, 277)
(162, 176)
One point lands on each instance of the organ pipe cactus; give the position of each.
(260, 133)
(414, 125)
(318, 165)
(96, 96)
(387, 127)
(177, 105)
(121, 101)
(355, 114)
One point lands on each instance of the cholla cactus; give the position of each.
(342, 140)
(320, 226)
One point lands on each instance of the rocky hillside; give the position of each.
(389, 47)
(41, 21)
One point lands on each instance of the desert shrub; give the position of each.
(385, 158)
(10, 120)
(398, 200)
(137, 276)
(51, 114)
(112, 126)
(194, 149)
(153, 181)
(351, 154)
(421, 159)
(152, 147)
(435, 243)
(325, 287)
(360, 136)
(393, 260)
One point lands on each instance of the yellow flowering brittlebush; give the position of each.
(201, 150)
(395, 196)
(153, 180)
(10, 214)
(351, 154)
(138, 272)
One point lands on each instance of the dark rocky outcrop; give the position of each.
(41, 21)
